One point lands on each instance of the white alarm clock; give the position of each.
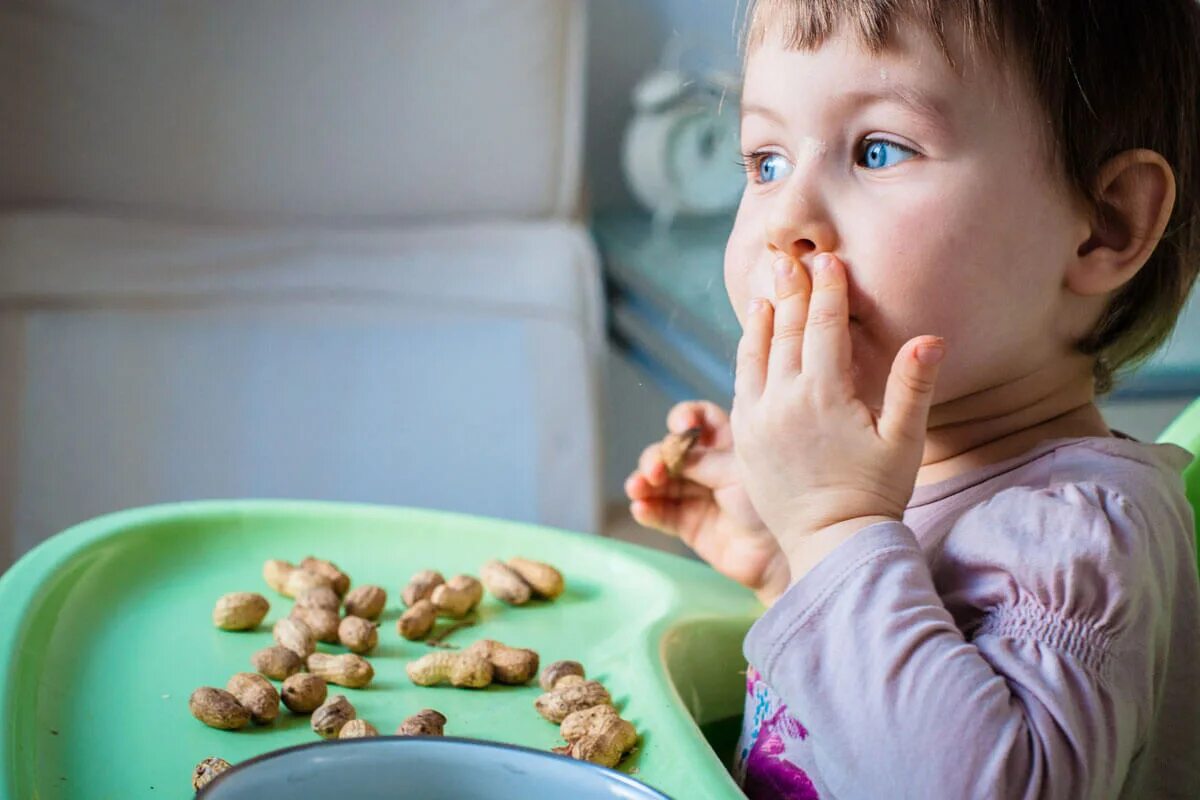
(681, 154)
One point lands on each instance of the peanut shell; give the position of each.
(331, 716)
(240, 611)
(218, 708)
(256, 694)
(295, 636)
(304, 692)
(366, 602)
(349, 670)
(277, 662)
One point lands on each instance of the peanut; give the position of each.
(207, 770)
(304, 692)
(357, 634)
(426, 722)
(319, 597)
(366, 602)
(277, 662)
(321, 621)
(598, 735)
(276, 572)
(339, 580)
(331, 716)
(580, 723)
(295, 636)
(458, 596)
(545, 580)
(417, 621)
(510, 665)
(675, 447)
(347, 670)
(557, 670)
(240, 611)
(218, 708)
(421, 586)
(256, 694)
(504, 582)
(290, 580)
(465, 670)
(570, 696)
(357, 729)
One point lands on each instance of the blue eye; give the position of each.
(882, 153)
(764, 167)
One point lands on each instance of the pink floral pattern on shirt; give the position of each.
(765, 772)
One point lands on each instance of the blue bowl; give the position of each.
(421, 768)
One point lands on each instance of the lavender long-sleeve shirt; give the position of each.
(1031, 630)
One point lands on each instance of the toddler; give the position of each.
(961, 220)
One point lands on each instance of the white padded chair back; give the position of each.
(358, 110)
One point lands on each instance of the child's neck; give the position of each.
(1002, 422)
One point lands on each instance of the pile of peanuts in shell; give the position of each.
(583, 709)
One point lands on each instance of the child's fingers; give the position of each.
(650, 464)
(909, 391)
(673, 517)
(827, 336)
(792, 291)
(655, 514)
(710, 468)
(754, 350)
(638, 488)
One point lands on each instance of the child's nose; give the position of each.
(799, 234)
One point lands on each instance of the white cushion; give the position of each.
(450, 367)
(333, 109)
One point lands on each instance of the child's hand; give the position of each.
(817, 463)
(705, 506)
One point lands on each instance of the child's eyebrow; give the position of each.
(923, 104)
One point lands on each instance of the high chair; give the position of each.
(1185, 432)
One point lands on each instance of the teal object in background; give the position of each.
(107, 630)
(1185, 432)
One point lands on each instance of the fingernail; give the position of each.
(823, 262)
(930, 354)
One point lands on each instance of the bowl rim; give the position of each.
(610, 774)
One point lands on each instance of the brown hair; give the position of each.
(1110, 75)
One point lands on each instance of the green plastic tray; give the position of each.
(107, 630)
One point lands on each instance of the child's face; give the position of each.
(948, 224)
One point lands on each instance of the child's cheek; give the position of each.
(739, 277)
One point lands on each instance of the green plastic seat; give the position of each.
(1185, 432)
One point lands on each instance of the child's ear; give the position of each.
(1137, 193)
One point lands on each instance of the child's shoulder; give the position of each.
(1082, 516)
(1113, 482)
(1116, 478)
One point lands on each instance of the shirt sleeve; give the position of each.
(1045, 694)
